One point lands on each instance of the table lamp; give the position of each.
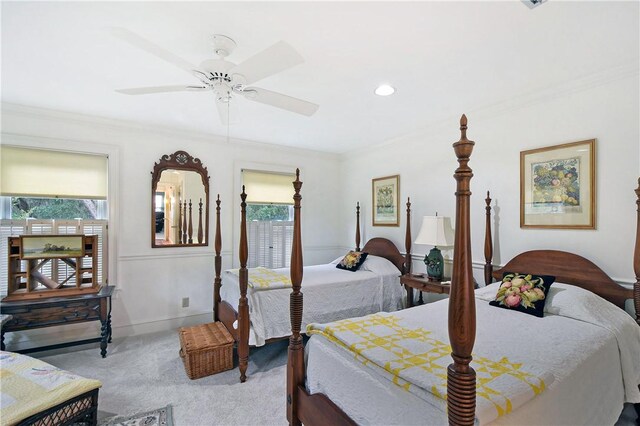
(435, 231)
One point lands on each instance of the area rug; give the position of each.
(157, 417)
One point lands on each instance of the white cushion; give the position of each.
(379, 265)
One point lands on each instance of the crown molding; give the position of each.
(164, 131)
(522, 100)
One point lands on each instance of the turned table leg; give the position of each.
(109, 327)
(104, 334)
(409, 296)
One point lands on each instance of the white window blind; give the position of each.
(52, 174)
(14, 228)
(269, 243)
(268, 188)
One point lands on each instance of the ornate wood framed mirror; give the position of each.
(179, 202)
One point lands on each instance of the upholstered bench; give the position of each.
(34, 392)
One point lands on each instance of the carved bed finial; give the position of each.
(463, 127)
(217, 282)
(243, 304)
(358, 226)
(461, 378)
(488, 243)
(295, 364)
(636, 265)
(407, 240)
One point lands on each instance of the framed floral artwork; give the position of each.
(557, 186)
(386, 199)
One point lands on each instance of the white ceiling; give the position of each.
(444, 58)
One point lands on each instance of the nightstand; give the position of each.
(422, 283)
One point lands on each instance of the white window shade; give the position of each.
(47, 174)
(268, 188)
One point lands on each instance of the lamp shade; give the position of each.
(435, 231)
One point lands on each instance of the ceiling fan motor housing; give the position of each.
(223, 46)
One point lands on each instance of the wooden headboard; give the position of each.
(385, 248)
(568, 267)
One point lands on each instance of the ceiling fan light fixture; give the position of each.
(384, 90)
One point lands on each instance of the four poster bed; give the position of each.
(254, 316)
(577, 365)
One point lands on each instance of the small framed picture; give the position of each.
(51, 246)
(385, 201)
(557, 186)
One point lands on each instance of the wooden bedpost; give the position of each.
(407, 240)
(179, 222)
(200, 232)
(295, 364)
(184, 224)
(358, 226)
(488, 244)
(243, 305)
(217, 282)
(636, 268)
(461, 378)
(190, 223)
(636, 285)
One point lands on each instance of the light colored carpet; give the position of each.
(145, 372)
(157, 417)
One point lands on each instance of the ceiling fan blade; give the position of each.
(279, 100)
(272, 60)
(160, 89)
(228, 112)
(152, 48)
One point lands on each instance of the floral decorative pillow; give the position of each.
(352, 261)
(523, 292)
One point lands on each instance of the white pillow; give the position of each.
(379, 265)
(576, 302)
(489, 292)
(338, 260)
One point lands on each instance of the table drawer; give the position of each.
(25, 317)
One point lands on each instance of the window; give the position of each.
(56, 208)
(52, 192)
(269, 218)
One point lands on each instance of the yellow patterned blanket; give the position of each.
(413, 360)
(30, 386)
(264, 279)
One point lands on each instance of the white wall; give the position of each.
(603, 106)
(152, 282)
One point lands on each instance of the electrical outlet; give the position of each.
(185, 302)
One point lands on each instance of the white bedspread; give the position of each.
(330, 294)
(592, 366)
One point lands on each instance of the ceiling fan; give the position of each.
(226, 79)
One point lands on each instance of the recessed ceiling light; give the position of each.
(533, 3)
(384, 90)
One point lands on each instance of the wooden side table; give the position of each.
(31, 314)
(422, 283)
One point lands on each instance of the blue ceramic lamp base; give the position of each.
(435, 264)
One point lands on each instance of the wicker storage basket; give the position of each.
(206, 349)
